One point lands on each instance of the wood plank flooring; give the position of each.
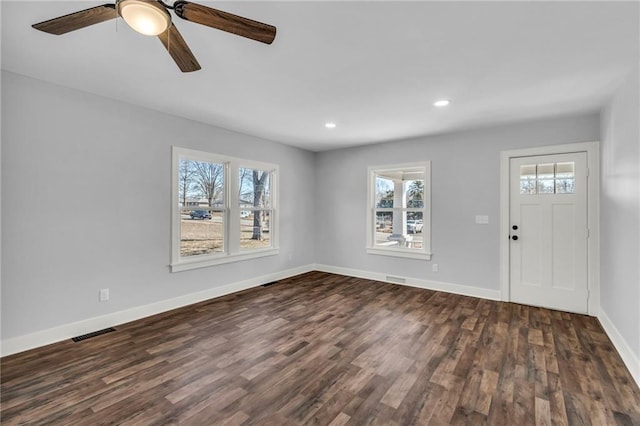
(323, 349)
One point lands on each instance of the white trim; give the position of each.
(377, 249)
(631, 361)
(66, 331)
(593, 206)
(232, 252)
(464, 290)
(211, 260)
(56, 334)
(407, 253)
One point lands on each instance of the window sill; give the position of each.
(406, 253)
(203, 262)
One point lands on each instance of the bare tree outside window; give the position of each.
(209, 180)
(260, 178)
(255, 206)
(201, 187)
(185, 180)
(224, 209)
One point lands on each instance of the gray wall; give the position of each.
(465, 173)
(620, 212)
(86, 205)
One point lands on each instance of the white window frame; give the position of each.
(231, 211)
(410, 253)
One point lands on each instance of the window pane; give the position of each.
(384, 192)
(384, 229)
(415, 193)
(255, 189)
(415, 226)
(255, 229)
(200, 183)
(399, 199)
(201, 232)
(528, 179)
(414, 223)
(384, 222)
(390, 234)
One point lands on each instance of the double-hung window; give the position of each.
(399, 210)
(223, 209)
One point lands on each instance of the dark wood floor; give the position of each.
(330, 350)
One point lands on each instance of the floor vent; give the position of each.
(396, 279)
(268, 284)
(93, 334)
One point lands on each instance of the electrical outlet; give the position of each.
(103, 295)
(434, 267)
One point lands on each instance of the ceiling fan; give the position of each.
(151, 17)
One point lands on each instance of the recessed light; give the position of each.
(442, 103)
(330, 125)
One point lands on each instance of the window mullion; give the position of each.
(273, 207)
(200, 236)
(232, 211)
(175, 206)
(400, 221)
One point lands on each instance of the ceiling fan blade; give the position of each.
(77, 20)
(178, 49)
(224, 21)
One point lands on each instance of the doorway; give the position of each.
(549, 220)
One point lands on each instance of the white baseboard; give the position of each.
(626, 353)
(464, 290)
(67, 331)
(629, 358)
(56, 334)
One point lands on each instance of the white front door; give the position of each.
(548, 231)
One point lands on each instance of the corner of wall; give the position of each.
(625, 351)
(620, 174)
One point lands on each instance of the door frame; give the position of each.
(593, 212)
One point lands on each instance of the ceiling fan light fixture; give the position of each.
(147, 17)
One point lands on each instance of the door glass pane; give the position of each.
(528, 179)
(546, 182)
(565, 178)
(201, 232)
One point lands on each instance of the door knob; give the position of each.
(515, 237)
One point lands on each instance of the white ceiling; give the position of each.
(374, 68)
